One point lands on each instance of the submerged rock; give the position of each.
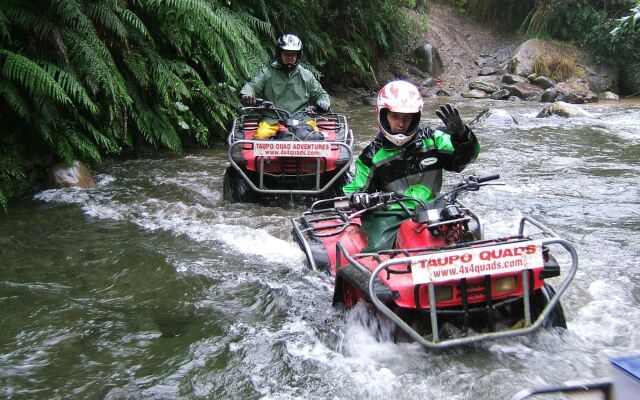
(564, 110)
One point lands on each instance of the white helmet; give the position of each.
(291, 43)
(401, 97)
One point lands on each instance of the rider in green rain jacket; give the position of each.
(407, 159)
(285, 82)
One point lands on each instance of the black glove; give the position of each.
(360, 200)
(322, 106)
(452, 121)
(248, 100)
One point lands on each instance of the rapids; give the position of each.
(151, 286)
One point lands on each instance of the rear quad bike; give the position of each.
(443, 284)
(296, 161)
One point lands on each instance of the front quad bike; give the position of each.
(295, 161)
(443, 284)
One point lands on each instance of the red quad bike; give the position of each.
(443, 284)
(296, 161)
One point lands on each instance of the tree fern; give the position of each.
(32, 77)
(14, 99)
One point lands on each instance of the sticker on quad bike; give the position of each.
(477, 261)
(274, 148)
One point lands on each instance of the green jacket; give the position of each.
(415, 169)
(292, 91)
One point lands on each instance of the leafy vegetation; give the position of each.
(85, 79)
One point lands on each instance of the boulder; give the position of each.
(500, 94)
(564, 110)
(486, 87)
(511, 78)
(474, 94)
(549, 95)
(575, 93)
(608, 96)
(485, 71)
(427, 59)
(524, 91)
(77, 175)
(543, 82)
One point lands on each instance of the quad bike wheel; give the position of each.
(235, 189)
(539, 300)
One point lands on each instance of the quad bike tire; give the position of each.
(539, 299)
(235, 188)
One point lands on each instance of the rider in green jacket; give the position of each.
(286, 83)
(407, 159)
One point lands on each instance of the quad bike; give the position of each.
(293, 162)
(443, 284)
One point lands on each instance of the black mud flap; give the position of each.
(360, 280)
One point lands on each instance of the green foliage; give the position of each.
(81, 79)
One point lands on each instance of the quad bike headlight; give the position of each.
(505, 285)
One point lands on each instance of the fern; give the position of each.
(32, 77)
(14, 99)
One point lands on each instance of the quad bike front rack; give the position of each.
(435, 342)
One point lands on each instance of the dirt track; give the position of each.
(461, 41)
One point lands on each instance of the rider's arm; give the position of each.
(456, 154)
(317, 93)
(255, 87)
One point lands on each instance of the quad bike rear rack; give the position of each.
(435, 342)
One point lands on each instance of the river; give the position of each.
(152, 287)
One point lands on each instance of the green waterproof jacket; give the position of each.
(414, 169)
(293, 91)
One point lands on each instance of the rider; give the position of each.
(406, 158)
(287, 84)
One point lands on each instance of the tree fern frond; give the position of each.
(136, 64)
(32, 77)
(27, 21)
(107, 18)
(14, 99)
(5, 32)
(73, 87)
(107, 142)
(132, 19)
(83, 147)
(143, 118)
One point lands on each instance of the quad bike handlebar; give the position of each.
(381, 199)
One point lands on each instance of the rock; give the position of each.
(601, 77)
(505, 53)
(443, 93)
(514, 98)
(77, 175)
(523, 60)
(549, 95)
(427, 59)
(487, 71)
(474, 94)
(524, 91)
(511, 78)
(564, 110)
(608, 96)
(575, 93)
(543, 82)
(484, 86)
(494, 116)
(500, 94)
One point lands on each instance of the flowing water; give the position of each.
(152, 287)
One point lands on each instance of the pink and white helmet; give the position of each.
(400, 97)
